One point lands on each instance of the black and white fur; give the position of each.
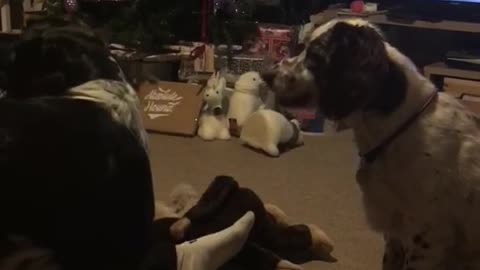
(423, 190)
(75, 177)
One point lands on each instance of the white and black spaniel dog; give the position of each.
(420, 169)
(74, 172)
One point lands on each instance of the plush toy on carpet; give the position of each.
(267, 130)
(273, 242)
(213, 123)
(245, 100)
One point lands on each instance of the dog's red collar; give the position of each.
(372, 155)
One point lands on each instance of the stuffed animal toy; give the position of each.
(273, 242)
(213, 123)
(268, 130)
(245, 100)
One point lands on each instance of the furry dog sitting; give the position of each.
(71, 143)
(420, 170)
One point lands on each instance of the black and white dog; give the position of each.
(420, 170)
(71, 145)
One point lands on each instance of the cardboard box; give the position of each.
(171, 107)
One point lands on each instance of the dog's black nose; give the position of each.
(268, 76)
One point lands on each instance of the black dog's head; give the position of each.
(55, 54)
(344, 68)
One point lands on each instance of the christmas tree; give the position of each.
(148, 25)
(143, 24)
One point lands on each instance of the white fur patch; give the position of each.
(322, 29)
(117, 97)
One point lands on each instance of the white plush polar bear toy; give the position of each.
(245, 99)
(213, 123)
(267, 129)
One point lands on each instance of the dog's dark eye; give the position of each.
(316, 53)
(254, 79)
(218, 93)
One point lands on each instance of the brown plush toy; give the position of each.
(273, 242)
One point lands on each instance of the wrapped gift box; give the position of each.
(275, 41)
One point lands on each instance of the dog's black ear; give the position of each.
(49, 61)
(392, 92)
(7, 55)
(354, 65)
(359, 57)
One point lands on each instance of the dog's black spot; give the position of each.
(417, 239)
(471, 197)
(416, 257)
(353, 71)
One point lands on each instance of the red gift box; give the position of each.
(275, 41)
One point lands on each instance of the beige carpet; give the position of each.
(313, 184)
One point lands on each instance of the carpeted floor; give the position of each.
(313, 184)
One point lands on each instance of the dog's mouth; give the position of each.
(289, 91)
